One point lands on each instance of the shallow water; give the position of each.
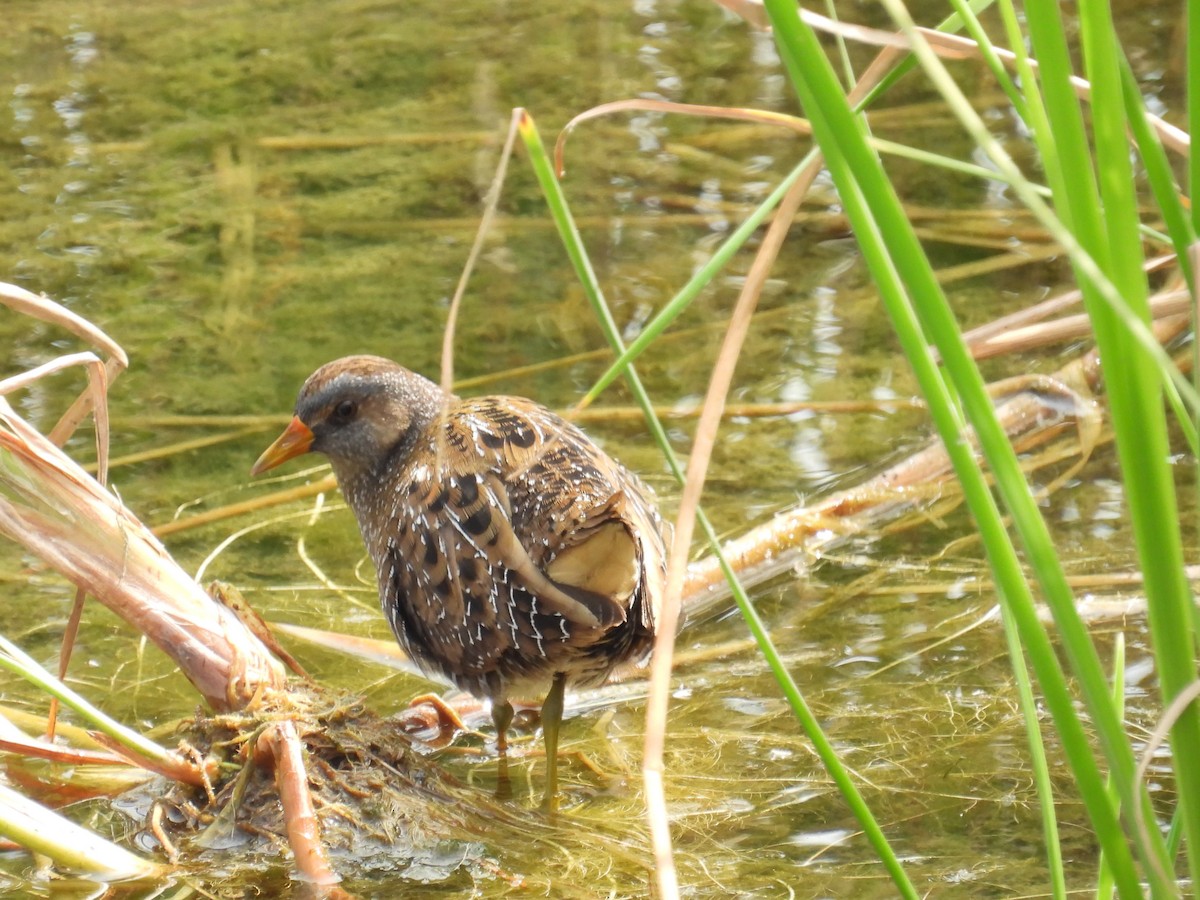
(238, 192)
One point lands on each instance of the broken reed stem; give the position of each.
(279, 748)
(779, 545)
(93, 399)
(52, 507)
(36, 307)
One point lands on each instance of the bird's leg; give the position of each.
(502, 716)
(552, 713)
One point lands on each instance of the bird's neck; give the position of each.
(372, 489)
(366, 492)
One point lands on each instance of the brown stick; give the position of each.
(70, 633)
(327, 483)
(279, 747)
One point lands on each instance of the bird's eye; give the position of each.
(345, 411)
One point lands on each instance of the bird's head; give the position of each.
(359, 411)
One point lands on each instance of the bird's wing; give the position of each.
(477, 505)
(545, 504)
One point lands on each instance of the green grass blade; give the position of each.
(1136, 408)
(976, 32)
(1037, 753)
(1158, 170)
(903, 151)
(19, 662)
(1104, 879)
(71, 846)
(561, 214)
(858, 176)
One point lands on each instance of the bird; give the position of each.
(512, 554)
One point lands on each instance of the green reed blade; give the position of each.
(901, 270)
(575, 250)
(20, 663)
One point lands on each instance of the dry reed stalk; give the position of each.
(490, 202)
(28, 748)
(65, 649)
(977, 337)
(785, 541)
(92, 400)
(1162, 306)
(702, 447)
(53, 508)
(760, 116)
(29, 304)
(325, 483)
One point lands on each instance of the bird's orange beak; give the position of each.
(296, 439)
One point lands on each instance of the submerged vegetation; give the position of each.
(892, 750)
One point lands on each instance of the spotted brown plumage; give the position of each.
(512, 554)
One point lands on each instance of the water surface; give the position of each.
(239, 192)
